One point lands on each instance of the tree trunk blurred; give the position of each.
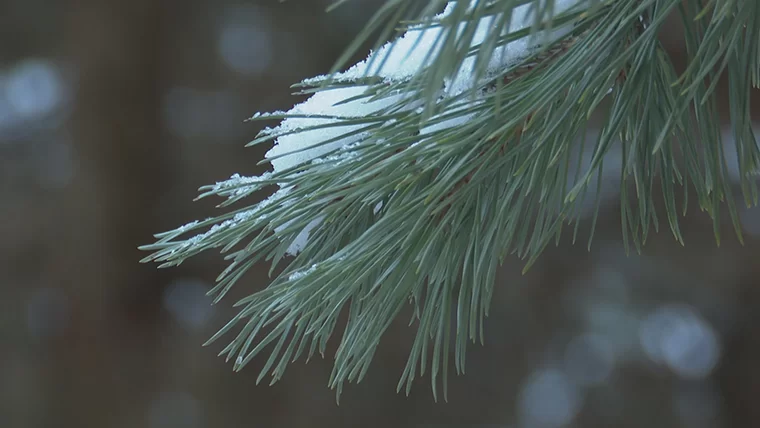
(116, 49)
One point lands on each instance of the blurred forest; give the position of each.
(113, 113)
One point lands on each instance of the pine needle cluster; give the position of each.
(436, 189)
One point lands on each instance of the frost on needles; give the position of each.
(339, 191)
(408, 178)
(320, 130)
(298, 141)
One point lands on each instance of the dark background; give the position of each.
(113, 113)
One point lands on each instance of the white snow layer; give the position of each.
(302, 238)
(395, 62)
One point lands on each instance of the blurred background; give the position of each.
(113, 113)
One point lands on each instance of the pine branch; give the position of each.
(410, 177)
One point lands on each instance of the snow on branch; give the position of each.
(395, 62)
(320, 129)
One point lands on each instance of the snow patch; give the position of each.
(241, 184)
(395, 62)
(296, 144)
(300, 274)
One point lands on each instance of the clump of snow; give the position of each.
(187, 226)
(237, 180)
(302, 238)
(241, 184)
(300, 274)
(511, 53)
(296, 144)
(436, 123)
(300, 147)
(394, 62)
(234, 221)
(345, 154)
(238, 218)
